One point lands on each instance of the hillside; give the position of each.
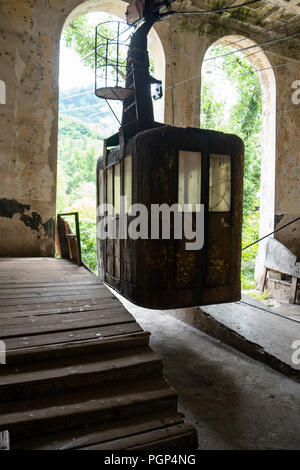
(83, 105)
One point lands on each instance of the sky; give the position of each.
(72, 72)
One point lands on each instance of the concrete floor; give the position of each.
(234, 401)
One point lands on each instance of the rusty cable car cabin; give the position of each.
(152, 163)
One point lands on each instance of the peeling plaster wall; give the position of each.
(29, 65)
(184, 53)
(287, 196)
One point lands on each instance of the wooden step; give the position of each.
(109, 311)
(181, 436)
(53, 376)
(89, 346)
(72, 335)
(38, 292)
(117, 317)
(30, 418)
(100, 434)
(16, 311)
(99, 293)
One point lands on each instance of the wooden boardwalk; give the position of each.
(79, 371)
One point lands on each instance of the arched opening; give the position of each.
(239, 49)
(84, 119)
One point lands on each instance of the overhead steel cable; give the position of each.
(243, 57)
(271, 233)
(75, 108)
(78, 94)
(283, 38)
(198, 12)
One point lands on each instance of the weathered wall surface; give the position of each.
(287, 195)
(29, 65)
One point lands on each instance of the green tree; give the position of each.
(80, 37)
(76, 189)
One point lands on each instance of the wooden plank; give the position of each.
(72, 336)
(81, 347)
(35, 380)
(21, 293)
(60, 278)
(27, 330)
(184, 441)
(150, 438)
(65, 307)
(293, 290)
(281, 259)
(65, 317)
(98, 294)
(18, 271)
(29, 285)
(102, 433)
(98, 405)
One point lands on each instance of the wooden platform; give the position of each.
(79, 371)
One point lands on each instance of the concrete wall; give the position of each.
(29, 49)
(29, 65)
(287, 194)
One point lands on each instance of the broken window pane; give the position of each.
(220, 183)
(117, 188)
(100, 188)
(109, 176)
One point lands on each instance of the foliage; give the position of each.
(259, 295)
(80, 36)
(243, 118)
(82, 104)
(78, 151)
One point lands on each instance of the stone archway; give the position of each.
(266, 76)
(117, 8)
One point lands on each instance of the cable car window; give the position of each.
(220, 183)
(189, 178)
(117, 188)
(109, 176)
(100, 188)
(128, 181)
